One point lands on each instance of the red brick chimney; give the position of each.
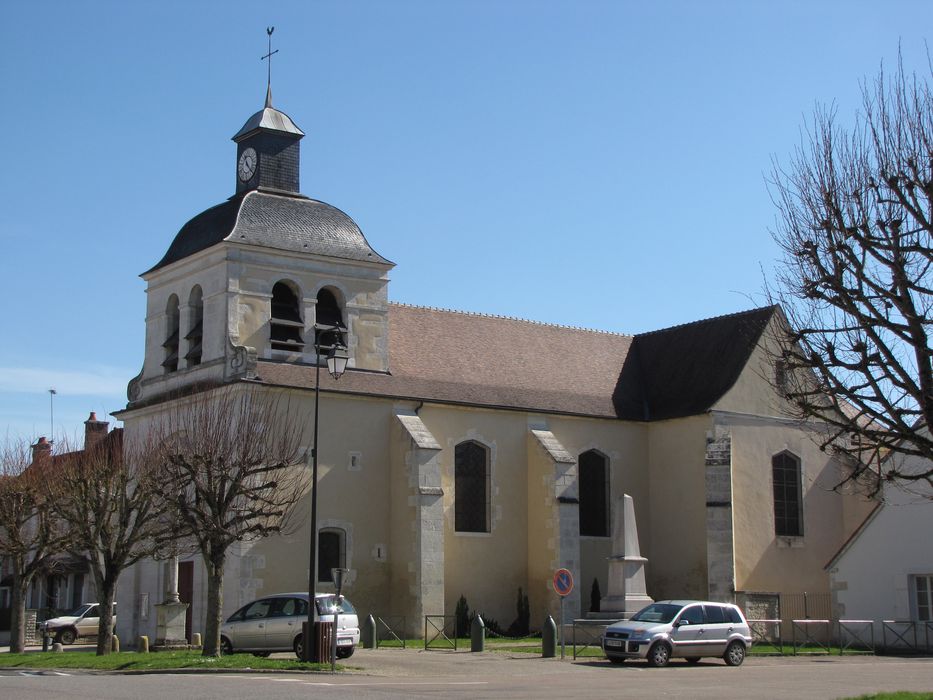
(41, 451)
(94, 431)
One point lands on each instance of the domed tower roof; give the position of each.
(292, 223)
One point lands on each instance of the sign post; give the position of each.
(563, 585)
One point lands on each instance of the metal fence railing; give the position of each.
(388, 628)
(440, 632)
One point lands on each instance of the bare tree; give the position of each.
(30, 535)
(111, 501)
(234, 471)
(855, 227)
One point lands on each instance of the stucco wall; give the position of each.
(677, 534)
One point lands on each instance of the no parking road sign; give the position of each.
(563, 582)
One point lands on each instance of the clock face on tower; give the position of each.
(246, 167)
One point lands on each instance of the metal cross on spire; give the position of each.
(268, 57)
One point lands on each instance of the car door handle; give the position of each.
(260, 625)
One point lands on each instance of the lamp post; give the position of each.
(336, 365)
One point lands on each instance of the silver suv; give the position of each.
(689, 629)
(273, 624)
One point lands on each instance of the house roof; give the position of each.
(461, 358)
(293, 223)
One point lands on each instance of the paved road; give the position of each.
(417, 674)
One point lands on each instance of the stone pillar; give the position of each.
(170, 614)
(720, 554)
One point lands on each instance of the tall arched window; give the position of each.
(170, 363)
(594, 494)
(471, 487)
(195, 333)
(788, 497)
(328, 314)
(331, 553)
(285, 326)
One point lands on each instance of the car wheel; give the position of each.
(659, 655)
(226, 648)
(262, 654)
(299, 648)
(735, 654)
(616, 659)
(693, 659)
(345, 652)
(67, 636)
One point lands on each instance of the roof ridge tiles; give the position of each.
(480, 314)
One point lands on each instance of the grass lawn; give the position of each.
(898, 695)
(159, 660)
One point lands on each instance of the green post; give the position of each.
(477, 634)
(549, 638)
(369, 633)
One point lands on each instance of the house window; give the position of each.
(788, 499)
(195, 332)
(170, 363)
(331, 553)
(923, 586)
(328, 313)
(594, 494)
(471, 487)
(285, 326)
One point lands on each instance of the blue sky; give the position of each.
(596, 164)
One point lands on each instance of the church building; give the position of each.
(471, 455)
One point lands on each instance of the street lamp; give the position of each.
(336, 365)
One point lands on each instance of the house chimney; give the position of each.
(94, 431)
(41, 451)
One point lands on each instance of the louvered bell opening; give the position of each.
(196, 332)
(172, 340)
(170, 363)
(285, 336)
(193, 356)
(327, 339)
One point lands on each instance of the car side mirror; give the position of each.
(681, 622)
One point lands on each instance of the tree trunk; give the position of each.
(18, 614)
(215, 601)
(106, 586)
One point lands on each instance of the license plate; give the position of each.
(613, 642)
(344, 641)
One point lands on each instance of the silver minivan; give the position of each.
(688, 629)
(273, 624)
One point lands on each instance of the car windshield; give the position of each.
(657, 612)
(81, 610)
(326, 604)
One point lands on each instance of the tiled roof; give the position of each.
(461, 358)
(293, 223)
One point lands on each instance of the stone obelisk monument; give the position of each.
(627, 592)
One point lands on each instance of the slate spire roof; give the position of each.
(496, 362)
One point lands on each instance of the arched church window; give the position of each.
(195, 333)
(594, 494)
(170, 346)
(328, 314)
(331, 552)
(285, 326)
(788, 496)
(471, 487)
